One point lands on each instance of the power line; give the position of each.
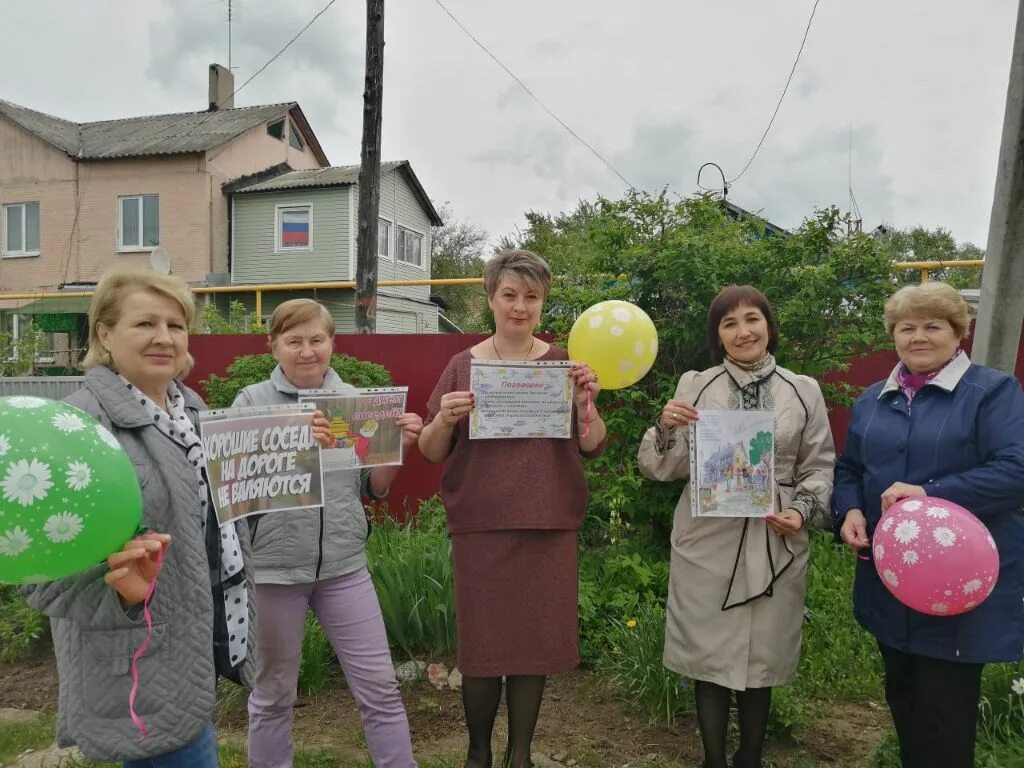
(533, 96)
(783, 96)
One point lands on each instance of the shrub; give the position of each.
(411, 566)
(252, 369)
(20, 625)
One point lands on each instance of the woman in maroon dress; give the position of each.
(514, 507)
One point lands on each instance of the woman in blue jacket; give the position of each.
(938, 426)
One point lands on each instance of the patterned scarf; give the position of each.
(177, 426)
(753, 394)
(912, 383)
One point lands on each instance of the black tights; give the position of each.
(752, 705)
(480, 698)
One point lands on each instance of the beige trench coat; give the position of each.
(736, 589)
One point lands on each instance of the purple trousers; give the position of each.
(348, 610)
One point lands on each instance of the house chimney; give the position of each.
(222, 88)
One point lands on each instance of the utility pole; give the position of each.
(1001, 312)
(369, 172)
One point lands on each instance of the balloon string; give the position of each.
(141, 650)
(586, 430)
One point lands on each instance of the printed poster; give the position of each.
(527, 398)
(732, 464)
(363, 426)
(261, 459)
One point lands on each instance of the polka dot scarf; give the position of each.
(179, 427)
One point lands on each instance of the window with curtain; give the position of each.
(384, 238)
(21, 229)
(409, 247)
(139, 222)
(293, 228)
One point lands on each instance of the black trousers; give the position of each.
(934, 705)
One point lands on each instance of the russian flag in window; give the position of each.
(295, 229)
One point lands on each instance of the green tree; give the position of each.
(760, 445)
(670, 257)
(457, 250)
(920, 244)
(18, 355)
(238, 321)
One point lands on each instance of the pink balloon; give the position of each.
(935, 556)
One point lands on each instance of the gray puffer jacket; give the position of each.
(314, 543)
(94, 638)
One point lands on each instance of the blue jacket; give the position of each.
(962, 439)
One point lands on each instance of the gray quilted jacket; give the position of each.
(315, 543)
(94, 638)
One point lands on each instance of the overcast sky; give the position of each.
(657, 87)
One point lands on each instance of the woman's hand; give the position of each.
(455, 406)
(585, 386)
(786, 523)
(134, 568)
(411, 425)
(677, 413)
(898, 491)
(322, 430)
(855, 530)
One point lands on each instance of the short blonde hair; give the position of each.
(929, 300)
(526, 265)
(296, 312)
(109, 296)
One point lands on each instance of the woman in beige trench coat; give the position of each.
(736, 590)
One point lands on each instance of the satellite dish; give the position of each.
(160, 261)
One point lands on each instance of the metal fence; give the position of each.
(53, 387)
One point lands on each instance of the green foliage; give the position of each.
(252, 369)
(616, 583)
(20, 625)
(238, 321)
(457, 250)
(411, 566)
(319, 664)
(920, 244)
(18, 356)
(759, 445)
(15, 738)
(630, 664)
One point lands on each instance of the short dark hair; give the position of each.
(725, 302)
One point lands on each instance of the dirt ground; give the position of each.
(579, 722)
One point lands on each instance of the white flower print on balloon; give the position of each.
(940, 607)
(106, 437)
(879, 551)
(906, 531)
(67, 422)
(63, 527)
(1018, 686)
(891, 577)
(14, 542)
(944, 537)
(21, 401)
(972, 586)
(910, 557)
(27, 482)
(911, 506)
(78, 475)
(5, 445)
(992, 543)
(887, 524)
(937, 513)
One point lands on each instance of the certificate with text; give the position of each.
(527, 398)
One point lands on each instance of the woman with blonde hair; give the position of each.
(202, 606)
(937, 426)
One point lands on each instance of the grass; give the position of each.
(15, 738)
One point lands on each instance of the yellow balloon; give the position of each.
(617, 340)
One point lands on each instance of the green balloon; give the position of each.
(69, 495)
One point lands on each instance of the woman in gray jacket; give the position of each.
(316, 558)
(138, 346)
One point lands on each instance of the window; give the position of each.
(294, 137)
(276, 129)
(409, 247)
(293, 230)
(139, 223)
(21, 229)
(384, 238)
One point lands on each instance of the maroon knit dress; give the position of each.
(514, 507)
